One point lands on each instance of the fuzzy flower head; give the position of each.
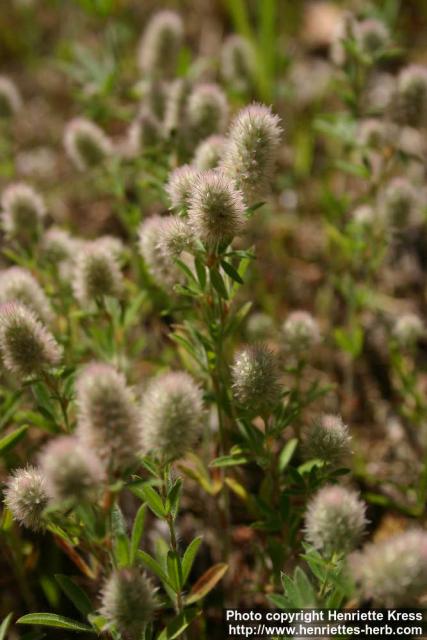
(172, 414)
(160, 44)
(175, 238)
(23, 212)
(145, 132)
(176, 107)
(300, 331)
(207, 111)
(411, 96)
(26, 497)
(180, 185)
(108, 420)
(251, 150)
(128, 602)
(374, 133)
(408, 329)
(217, 210)
(58, 245)
(328, 439)
(18, 284)
(372, 36)
(10, 100)
(26, 346)
(335, 520)
(393, 573)
(259, 326)
(153, 243)
(399, 202)
(71, 471)
(86, 144)
(365, 216)
(209, 153)
(238, 62)
(96, 274)
(255, 378)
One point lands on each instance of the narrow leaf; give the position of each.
(12, 439)
(54, 620)
(188, 558)
(5, 626)
(137, 531)
(178, 625)
(206, 582)
(74, 593)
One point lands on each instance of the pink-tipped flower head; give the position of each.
(328, 439)
(108, 419)
(10, 99)
(393, 572)
(23, 212)
(180, 186)
(172, 414)
(71, 471)
(18, 284)
(300, 331)
(26, 497)
(251, 151)
(152, 247)
(255, 376)
(160, 44)
(335, 520)
(58, 245)
(145, 132)
(238, 62)
(26, 346)
(86, 144)
(207, 111)
(208, 154)
(372, 36)
(96, 274)
(216, 209)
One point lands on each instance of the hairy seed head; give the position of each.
(58, 245)
(108, 419)
(393, 572)
(259, 326)
(408, 329)
(335, 520)
(216, 208)
(160, 264)
(328, 439)
(175, 121)
(71, 471)
(255, 378)
(96, 273)
(250, 153)
(160, 44)
(238, 62)
(23, 212)
(128, 602)
(145, 132)
(300, 331)
(172, 414)
(26, 497)
(10, 99)
(180, 186)
(18, 284)
(411, 96)
(209, 153)
(372, 36)
(399, 202)
(207, 111)
(86, 144)
(26, 346)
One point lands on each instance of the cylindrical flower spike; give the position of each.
(216, 208)
(255, 377)
(160, 264)
(10, 99)
(180, 186)
(108, 419)
(393, 573)
(207, 111)
(238, 62)
(59, 245)
(259, 326)
(251, 150)
(86, 144)
(128, 602)
(208, 154)
(328, 439)
(96, 274)
(160, 44)
(175, 121)
(71, 471)
(172, 415)
(335, 520)
(26, 497)
(300, 331)
(23, 212)
(26, 346)
(372, 36)
(145, 132)
(399, 202)
(175, 237)
(411, 96)
(19, 285)
(408, 329)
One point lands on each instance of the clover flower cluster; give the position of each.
(255, 376)
(23, 212)
(96, 273)
(161, 240)
(19, 285)
(407, 329)
(328, 439)
(207, 111)
(86, 144)
(238, 62)
(300, 331)
(160, 44)
(26, 497)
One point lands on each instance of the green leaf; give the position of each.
(54, 620)
(137, 531)
(287, 453)
(152, 498)
(188, 558)
(174, 570)
(206, 582)
(229, 461)
(218, 283)
(201, 272)
(231, 271)
(12, 439)
(74, 593)
(155, 567)
(178, 625)
(4, 626)
(172, 501)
